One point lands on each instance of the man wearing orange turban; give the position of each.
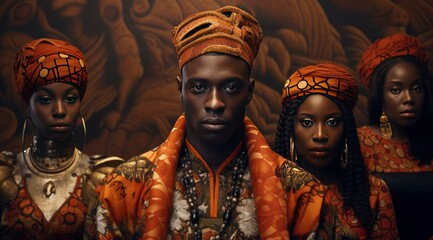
(214, 177)
(317, 130)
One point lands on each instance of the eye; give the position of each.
(395, 90)
(232, 88)
(306, 123)
(198, 88)
(417, 88)
(333, 122)
(44, 100)
(71, 99)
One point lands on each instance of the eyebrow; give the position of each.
(49, 91)
(334, 114)
(395, 81)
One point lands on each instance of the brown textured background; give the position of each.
(132, 99)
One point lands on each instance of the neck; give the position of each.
(215, 154)
(43, 147)
(327, 175)
(400, 133)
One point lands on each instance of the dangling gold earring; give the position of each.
(344, 155)
(293, 155)
(385, 126)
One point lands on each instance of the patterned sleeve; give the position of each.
(304, 200)
(119, 211)
(385, 225)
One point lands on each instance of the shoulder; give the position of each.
(101, 166)
(7, 158)
(8, 186)
(378, 187)
(295, 178)
(138, 168)
(369, 136)
(97, 168)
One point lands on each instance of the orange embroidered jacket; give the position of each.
(144, 198)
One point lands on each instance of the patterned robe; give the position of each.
(411, 184)
(144, 197)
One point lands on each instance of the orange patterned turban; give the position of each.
(228, 30)
(44, 61)
(385, 48)
(326, 78)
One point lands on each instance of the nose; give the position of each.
(408, 97)
(214, 102)
(59, 110)
(320, 134)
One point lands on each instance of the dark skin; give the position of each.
(215, 90)
(403, 99)
(54, 110)
(319, 137)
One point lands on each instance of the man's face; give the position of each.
(215, 90)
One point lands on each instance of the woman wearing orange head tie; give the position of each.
(317, 130)
(398, 143)
(44, 190)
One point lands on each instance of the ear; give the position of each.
(251, 85)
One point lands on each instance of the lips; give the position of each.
(320, 151)
(408, 113)
(214, 124)
(60, 127)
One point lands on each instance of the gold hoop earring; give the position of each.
(83, 123)
(84, 132)
(385, 126)
(293, 155)
(344, 155)
(23, 136)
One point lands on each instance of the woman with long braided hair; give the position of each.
(317, 131)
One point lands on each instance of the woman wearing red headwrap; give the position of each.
(398, 143)
(45, 190)
(317, 130)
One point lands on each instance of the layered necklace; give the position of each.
(240, 165)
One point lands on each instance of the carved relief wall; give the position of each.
(132, 99)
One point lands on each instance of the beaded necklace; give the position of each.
(191, 193)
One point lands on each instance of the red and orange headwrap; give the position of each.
(228, 30)
(326, 78)
(44, 61)
(385, 48)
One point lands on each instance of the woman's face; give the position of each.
(403, 94)
(319, 131)
(54, 110)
